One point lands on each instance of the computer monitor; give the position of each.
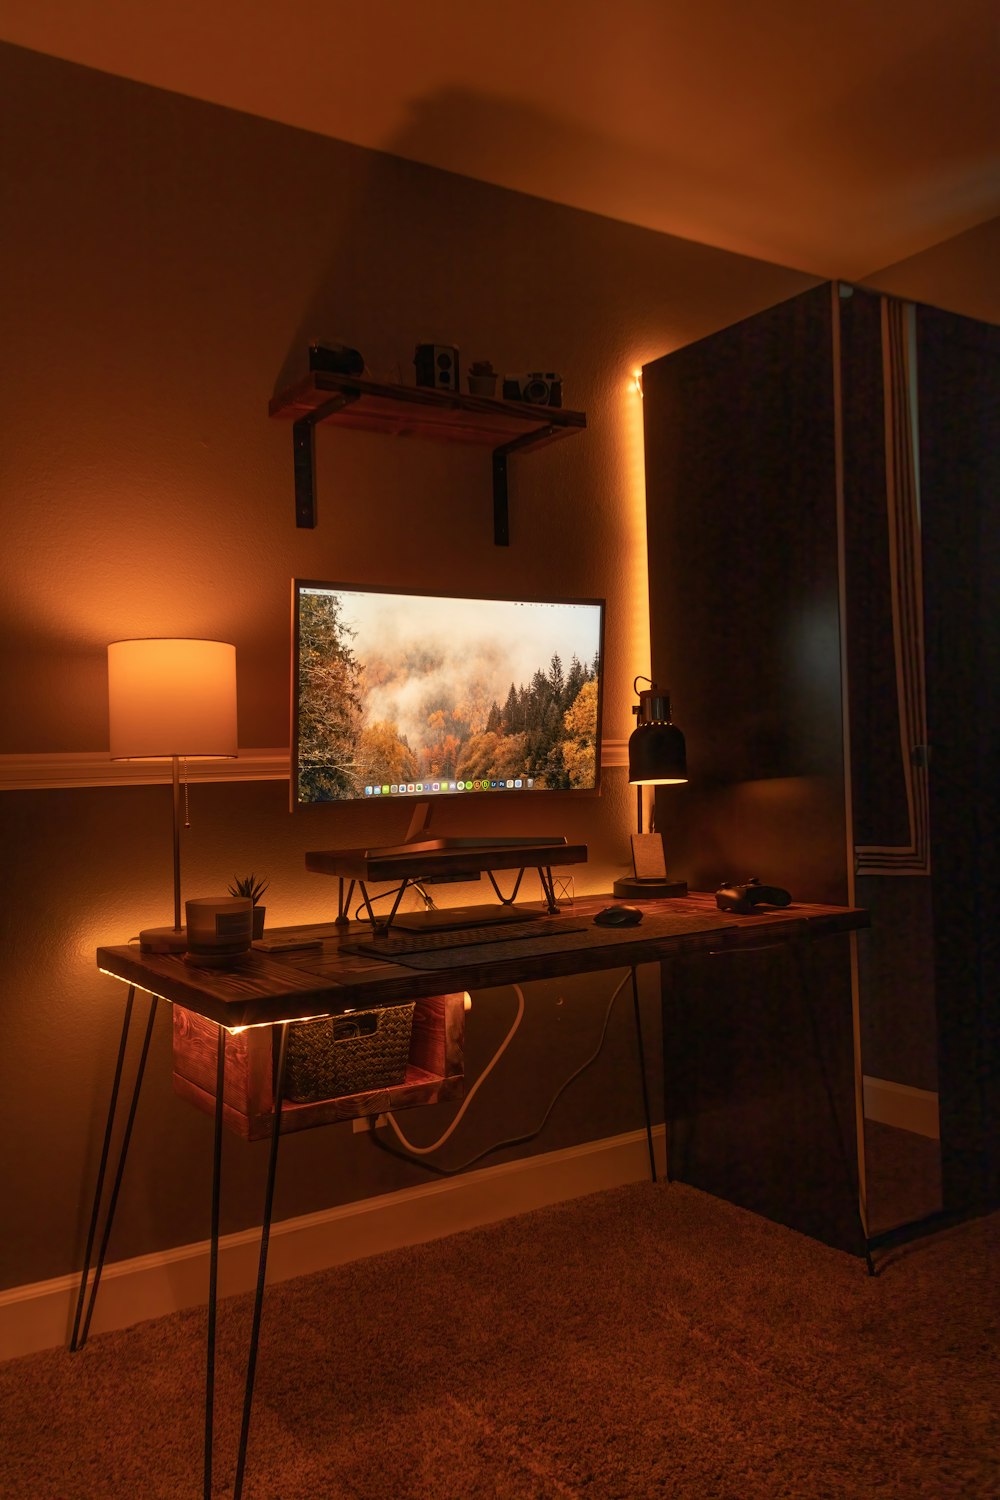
(403, 696)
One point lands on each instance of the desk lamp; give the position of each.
(657, 756)
(168, 699)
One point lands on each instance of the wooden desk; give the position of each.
(271, 987)
(324, 979)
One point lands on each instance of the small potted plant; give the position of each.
(482, 378)
(249, 886)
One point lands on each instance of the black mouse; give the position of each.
(618, 916)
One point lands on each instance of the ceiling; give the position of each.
(835, 138)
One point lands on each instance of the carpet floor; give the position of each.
(648, 1341)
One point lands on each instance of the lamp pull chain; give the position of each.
(187, 810)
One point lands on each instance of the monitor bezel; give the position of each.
(488, 796)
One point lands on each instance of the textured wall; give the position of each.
(163, 266)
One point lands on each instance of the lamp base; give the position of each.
(652, 888)
(163, 940)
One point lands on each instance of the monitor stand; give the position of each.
(420, 822)
(418, 842)
(418, 832)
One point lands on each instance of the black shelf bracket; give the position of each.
(501, 510)
(395, 409)
(304, 455)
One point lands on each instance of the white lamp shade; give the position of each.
(171, 697)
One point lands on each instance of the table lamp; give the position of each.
(657, 756)
(169, 699)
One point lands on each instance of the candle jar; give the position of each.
(219, 928)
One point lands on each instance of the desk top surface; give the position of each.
(322, 980)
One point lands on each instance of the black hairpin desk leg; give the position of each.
(642, 1074)
(81, 1321)
(213, 1259)
(265, 1234)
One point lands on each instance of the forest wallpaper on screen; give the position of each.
(422, 705)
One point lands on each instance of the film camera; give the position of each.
(336, 359)
(537, 388)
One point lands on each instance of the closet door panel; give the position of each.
(886, 691)
(759, 1085)
(744, 608)
(741, 486)
(959, 388)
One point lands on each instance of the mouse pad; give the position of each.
(654, 925)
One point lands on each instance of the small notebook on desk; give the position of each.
(292, 939)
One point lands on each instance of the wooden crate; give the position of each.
(434, 1071)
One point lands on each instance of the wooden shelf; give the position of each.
(418, 411)
(415, 411)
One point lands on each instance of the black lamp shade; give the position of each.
(656, 755)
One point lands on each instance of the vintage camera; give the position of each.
(335, 359)
(537, 388)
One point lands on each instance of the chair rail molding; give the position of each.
(92, 768)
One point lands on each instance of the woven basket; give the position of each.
(348, 1054)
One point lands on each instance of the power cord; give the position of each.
(426, 1150)
(416, 1153)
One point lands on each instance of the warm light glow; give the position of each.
(326, 1015)
(637, 381)
(256, 1025)
(233, 1030)
(144, 987)
(635, 641)
(171, 697)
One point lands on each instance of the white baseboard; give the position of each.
(902, 1105)
(40, 1315)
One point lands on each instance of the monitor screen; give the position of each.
(404, 695)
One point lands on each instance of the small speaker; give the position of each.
(437, 365)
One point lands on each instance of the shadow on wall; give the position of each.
(159, 496)
(518, 273)
(415, 254)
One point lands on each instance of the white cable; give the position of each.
(425, 1150)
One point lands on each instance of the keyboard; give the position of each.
(395, 944)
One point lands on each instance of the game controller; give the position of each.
(743, 898)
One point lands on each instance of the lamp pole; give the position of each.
(175, 768)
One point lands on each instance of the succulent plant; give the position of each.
(249, 885)
(481, 367)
